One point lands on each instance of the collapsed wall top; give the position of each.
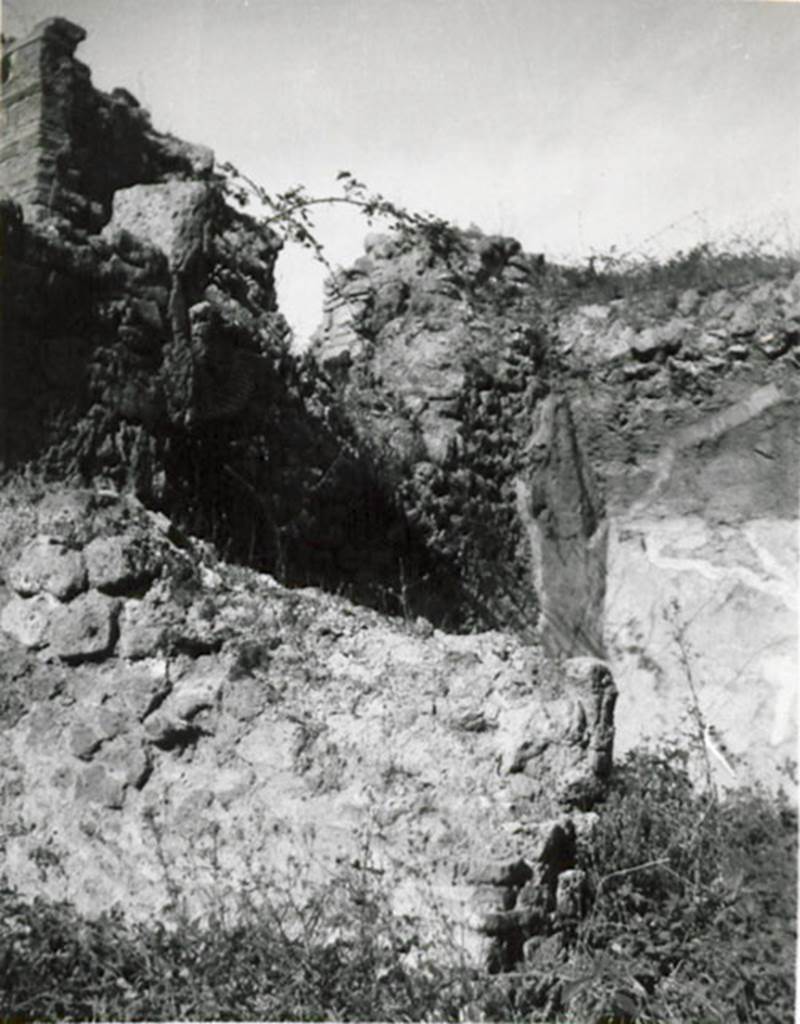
(66, 146)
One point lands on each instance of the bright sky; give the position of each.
(573, 125)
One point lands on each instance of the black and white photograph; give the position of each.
(399, 510)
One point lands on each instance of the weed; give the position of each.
(689, 921)
(706, 268)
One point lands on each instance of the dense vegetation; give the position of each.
(692, 920)
(694, 911)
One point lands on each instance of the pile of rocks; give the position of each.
(68, 586)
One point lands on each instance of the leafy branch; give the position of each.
(290, 212)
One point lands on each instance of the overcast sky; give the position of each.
(573, 125)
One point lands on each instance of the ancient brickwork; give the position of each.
(35, 126)
(66, 147)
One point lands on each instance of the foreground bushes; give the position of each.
(694, 915)
(692, 920)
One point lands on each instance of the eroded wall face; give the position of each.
(692, 427)
(560, 504)
(702, 587)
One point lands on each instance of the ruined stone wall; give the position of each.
(440, 360)
(151, 357)
(145, 347)
(142, 345)
(176, 732)
(66, 147)
(632, 460)
(99, 363)
(175, 728)
(475, 437)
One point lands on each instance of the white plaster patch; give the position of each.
(679, 580)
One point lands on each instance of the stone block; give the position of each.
(85, 628)
(44, 728)
(141, 632)
(189, 702)
(167, 732)
(553, 843)
(543, 952)
(144, 690)
(571, 894)
(524, 743)
(84, 741)
(471, 720)
(688, 302)
(128, 760)
(639, 371)
(774, 343)
(96, 785)
(486, 899)
(537, 897)
(28, 619)
(112, 719)
(171, 216)
(672, 333)
(116, 564)
(66, 515)
(522, 787)
(147, 313)
(647, 343)
(744, 321)
(591, 681)
(45, 564)
(613, 343)
(499, 872)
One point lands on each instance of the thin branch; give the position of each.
(629, 871)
